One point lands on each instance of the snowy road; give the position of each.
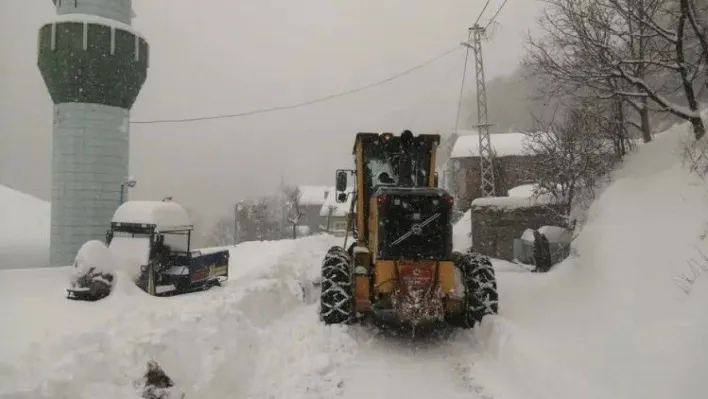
(611, 323)
(388, 367)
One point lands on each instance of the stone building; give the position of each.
(512, 166)
(498, 221)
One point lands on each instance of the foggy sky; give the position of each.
(231, 56)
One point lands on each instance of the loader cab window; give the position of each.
(395, 166)
(381, 172)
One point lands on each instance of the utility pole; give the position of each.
(486, 161)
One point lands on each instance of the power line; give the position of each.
(304, 103)
(417, 107)
(481, 12)
(495, 14)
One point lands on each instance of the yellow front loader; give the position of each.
(401, 266)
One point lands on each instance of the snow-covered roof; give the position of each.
(314, 195)
(504, 144)
(94, 19)
(165, 215)
(523, 191)
(340, 209)
(530, 191)
(512, 202)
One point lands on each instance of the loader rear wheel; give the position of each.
(479, 280)
(336, 298)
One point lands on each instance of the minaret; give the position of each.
(94, 65)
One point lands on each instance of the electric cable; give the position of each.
(308, 102)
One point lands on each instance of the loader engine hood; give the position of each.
(414, 223)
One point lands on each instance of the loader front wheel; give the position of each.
(336, 298)
(480, 284)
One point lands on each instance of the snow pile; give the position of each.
(613, 322)
(253, 336)
(461, 239)
(130, 254)
(24, 239)
(93, 262)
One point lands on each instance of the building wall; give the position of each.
(311, 217)
(494, 229)
(337, 225)
(509, 172)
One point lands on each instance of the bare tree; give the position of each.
(674, 56)
(572, 52)
(626, 49)
(222, 233)
(292, 197)
(572, 156)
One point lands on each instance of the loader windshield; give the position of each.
(389, 161)
(391, 165)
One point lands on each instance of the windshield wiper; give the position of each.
(415, 227)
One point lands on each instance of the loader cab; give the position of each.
(388, 161)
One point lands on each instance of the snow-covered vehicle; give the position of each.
(93, 278)
(153, 239)
(150, 241)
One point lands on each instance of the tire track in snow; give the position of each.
(413, 368)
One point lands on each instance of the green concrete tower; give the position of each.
(94, 65)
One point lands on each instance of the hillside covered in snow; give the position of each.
(624, 319)
(24, 230)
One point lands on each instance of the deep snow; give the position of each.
(613, 323)
(24, 231)
(609, 323)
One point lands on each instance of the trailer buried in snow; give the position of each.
(154, 237)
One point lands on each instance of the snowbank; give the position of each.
(461, 239)
(130, 254)
(613, 323)
(24, 238)
(252, 336)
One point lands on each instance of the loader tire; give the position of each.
(479, 280)
(337, 297)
